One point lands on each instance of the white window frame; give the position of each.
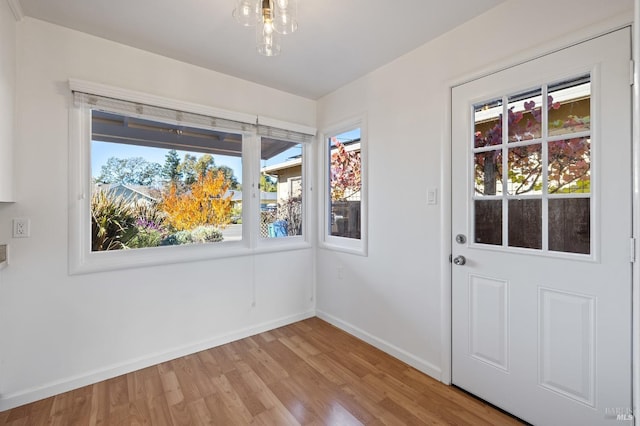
(82, 260)
(326, 240)
(299, 241)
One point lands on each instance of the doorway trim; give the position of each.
(578, 37)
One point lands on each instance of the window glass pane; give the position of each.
(159, 184)
(488, 222)
(345, 184)
(570, 166)
(280, 188)
(525, 170)
(525, 116)
(488, 123)
(570, 106)
(488, 173)
(525, 223)
(570, 225)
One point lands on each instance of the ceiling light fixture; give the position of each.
(271, 18)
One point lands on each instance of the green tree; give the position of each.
(204, 164)
(129, 171)
(267, 184)
(171, 171)
(228, 174)
(188, 169)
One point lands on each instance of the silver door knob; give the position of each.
(459, 260)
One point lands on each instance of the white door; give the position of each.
(541, 201)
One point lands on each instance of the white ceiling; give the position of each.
(337, 40)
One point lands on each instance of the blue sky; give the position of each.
(102, 151)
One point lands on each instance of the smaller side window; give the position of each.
(345, 217)
(281, 189)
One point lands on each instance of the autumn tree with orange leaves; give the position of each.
(207, 202)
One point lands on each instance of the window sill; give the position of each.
(356, 249)
(140, 258)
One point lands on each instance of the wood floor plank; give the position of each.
(159, 410)
(200, 412)
(170, 384)
(308, 373)
(245, 393)
(232, 400)
(187, 379)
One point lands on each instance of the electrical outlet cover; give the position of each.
(21, 227)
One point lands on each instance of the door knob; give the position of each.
(459, 260)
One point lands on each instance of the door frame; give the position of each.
(592, 32)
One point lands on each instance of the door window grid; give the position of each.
(542, 152)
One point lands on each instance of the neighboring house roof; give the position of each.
(134, 191)
(281, 166)
(297, 161)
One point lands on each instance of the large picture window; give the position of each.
(159, 184)
(155, 181)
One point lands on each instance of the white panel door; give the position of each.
(541, 291)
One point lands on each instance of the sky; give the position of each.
(102, 151)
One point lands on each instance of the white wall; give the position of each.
(7, 98)
(59, 331)
(394, 297)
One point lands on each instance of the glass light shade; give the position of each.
(267, 39)
(247, 12)
(285, 16)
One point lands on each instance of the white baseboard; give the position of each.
(9, 401)
(418, 363)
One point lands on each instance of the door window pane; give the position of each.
(525, 170)
(548, 161)
(525, 223)
(569, 225)
(570, 106)
(570, 166)
(525, 116)
(488, 173)
(488, 123)
(488, 222)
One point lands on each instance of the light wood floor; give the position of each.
(306, 373)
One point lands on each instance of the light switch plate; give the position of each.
(432, 196)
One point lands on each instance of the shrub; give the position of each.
(200, 234)
(113, 220)
(206, 234)
(150, 216)
(145, 238)
(290, 210)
